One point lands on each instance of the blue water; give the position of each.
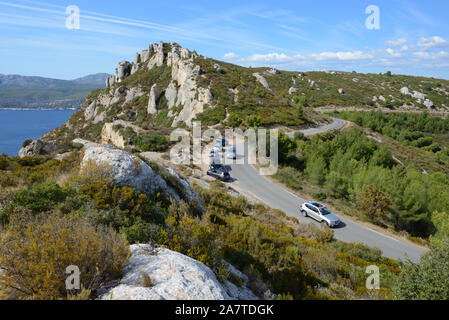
(17, 126)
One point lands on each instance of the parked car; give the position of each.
(320, 213)
(218, 171)
(214, 152)
(223, 142)
(231, 154)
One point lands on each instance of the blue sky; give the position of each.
(292, 35)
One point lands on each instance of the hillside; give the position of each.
(37, 92)
(168, 86)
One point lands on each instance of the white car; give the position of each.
(320, 213)
(231, 154)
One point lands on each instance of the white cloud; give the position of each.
(230, 56)
(434, 55)
(431, 42)
(348, 55)
(393, 53)
(397, 43)
(271, 57)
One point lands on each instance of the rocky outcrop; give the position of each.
(133, 93)
(37, 148)
(90, 111)
(109, 135)
(122, 71)
(171, 93)
(152, 102)
(162, 274)
(110, 81)
(405, 91)
(262, 81)
(292, 90)
(128, 170)
(273, 71)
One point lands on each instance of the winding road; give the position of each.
(247, 178)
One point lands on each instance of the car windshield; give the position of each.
(325, 211)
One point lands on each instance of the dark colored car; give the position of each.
(219, 172)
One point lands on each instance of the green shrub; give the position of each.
(153, 141)
(41, 197)
(36, 253)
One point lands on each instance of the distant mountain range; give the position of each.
(23, 92)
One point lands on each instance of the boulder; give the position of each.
(428, 103)
(128, 170)
(341, 91)
(218, 68)
(152, 102)
(405, 91)
(170, 276)
(292, 90)
(37, 148)
(262, 81)
(418, 95)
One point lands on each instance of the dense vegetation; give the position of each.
(352, 168)
(415, 129)
(57, 198)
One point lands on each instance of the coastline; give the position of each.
(39, 109)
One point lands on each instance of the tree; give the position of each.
(300, 111)
(375, 203)
(428, 280)
(234, 120)
(285, 146)
(253, 121)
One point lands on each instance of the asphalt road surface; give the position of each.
(260, 187)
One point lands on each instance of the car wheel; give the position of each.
(304, 213)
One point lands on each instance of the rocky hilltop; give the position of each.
(167, 86)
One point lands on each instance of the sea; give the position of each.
(16, 126)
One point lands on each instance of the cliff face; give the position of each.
(182, 90)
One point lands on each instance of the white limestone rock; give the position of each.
(292, 90)
(110, 81)
(171, 93)
(36, 148)
(174, 277)
(273, 71)
(341, 91)
(133, 93)
(428, 103)
(119, 94)
(122, 71)
(152, 102)
(418, 95)
(405, 91)
(262, 81)
(128, 170)
(90, 111)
